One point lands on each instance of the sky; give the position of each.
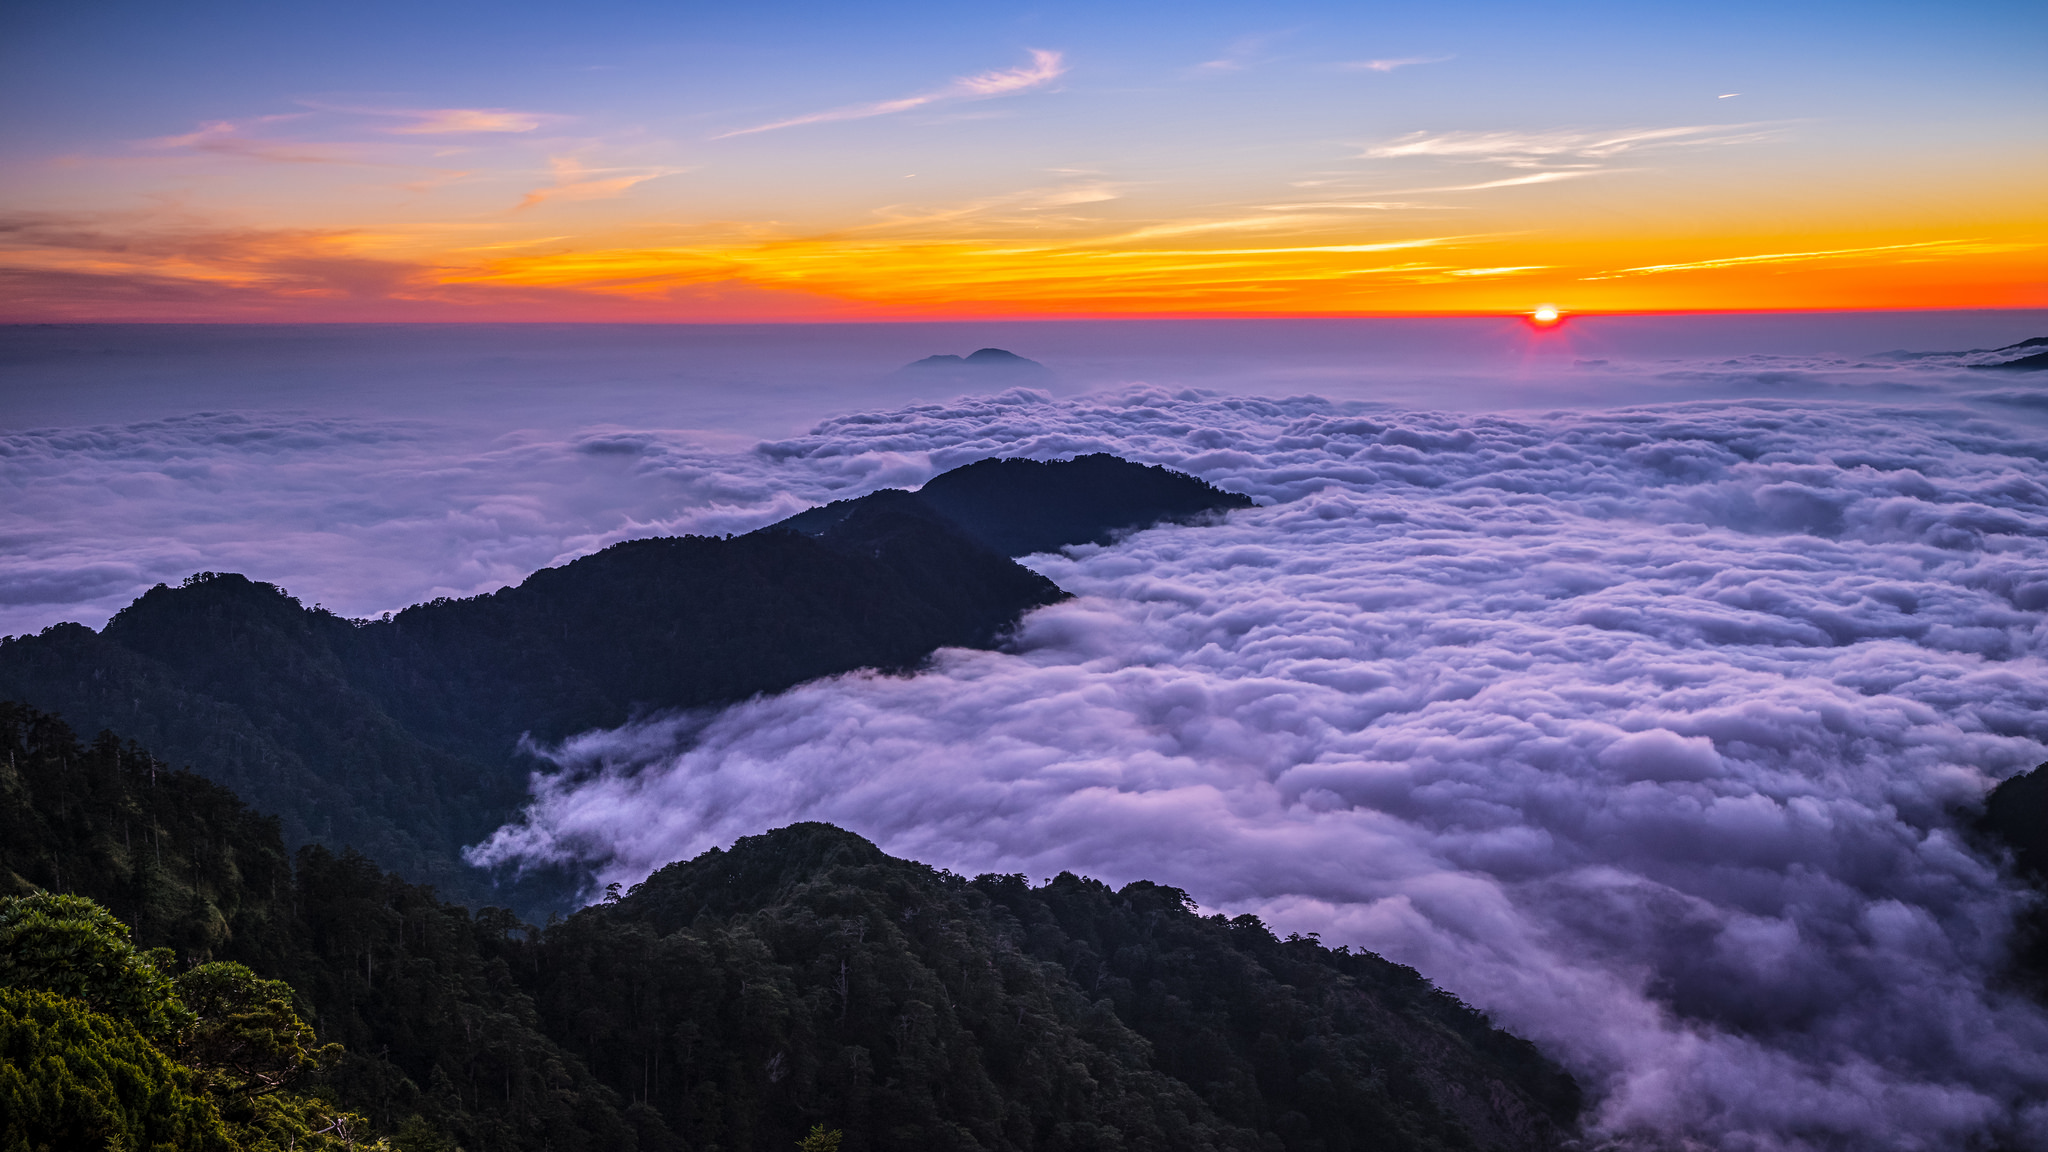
(272, 162)
(1632, 678)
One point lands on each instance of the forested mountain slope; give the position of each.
(400, 736)
(2015, 820)
(802, 977)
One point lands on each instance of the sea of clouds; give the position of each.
(1649, 724)
(1650, 731)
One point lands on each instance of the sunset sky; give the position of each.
(786, 161)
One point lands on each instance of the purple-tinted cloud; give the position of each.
(1646, 730)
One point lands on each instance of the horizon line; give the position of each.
(1037, 318)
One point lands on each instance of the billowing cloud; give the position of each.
(1045, 67)
(1645, 729)
(367, 515)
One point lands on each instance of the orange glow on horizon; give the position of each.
(325, 275)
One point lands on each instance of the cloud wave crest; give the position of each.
(1646, 730)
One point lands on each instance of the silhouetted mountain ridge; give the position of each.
(1017, 507)
(2032, 363)
(802, 976)
(399, 736)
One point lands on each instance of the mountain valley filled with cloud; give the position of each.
(1652, 729)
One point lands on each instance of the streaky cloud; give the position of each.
(573, 181)
(442, 121)
(1517, 181)
(1802, 257)
(1530, 146)
(1392, 64)
(1045, 67)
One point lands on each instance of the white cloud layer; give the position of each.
(1648, 730)
(369, 469)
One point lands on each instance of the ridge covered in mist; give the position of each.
(802, 977)
(400, 736)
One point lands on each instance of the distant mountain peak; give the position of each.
(979, 359)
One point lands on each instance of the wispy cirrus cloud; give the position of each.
(234, 138)
(1390, 64)
(1515, 270)
(1387, 246)
(1946, 247)
(1550, 177)
(246, 137)
(128, 263)
(440, 121)
(444, 121)
(1355, 205)
(574, 181)
(1528, 149)
(1243, 53)
(1025, 206)
(1045, 67)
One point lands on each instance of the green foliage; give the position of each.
(401, 736)
(246, 1040)
(178, 857)
(284, 1122)
(804, 975)
(410, 983)
(71, 1078)
(73, 947)
(436, 992)
(749, 997)
(819, 1140)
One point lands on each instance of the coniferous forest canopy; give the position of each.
(752, 576)
(402, 736)
(739, 1000)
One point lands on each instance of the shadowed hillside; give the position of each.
(802, 977)
(401, 736)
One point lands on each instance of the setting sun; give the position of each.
(1545, 315)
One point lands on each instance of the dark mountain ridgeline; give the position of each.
(2034, 362)
(801, 977)
(2015, 820)
(400, 736)
(1016, 507)
(421, 992)
(1007, 1005)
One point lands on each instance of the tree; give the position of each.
(247, 1040)
(73, 1078)
(820, 1140)
(73, 947)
